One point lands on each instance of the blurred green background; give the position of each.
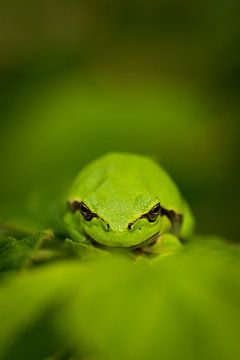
(80, 78)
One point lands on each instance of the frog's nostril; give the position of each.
(106, 227)
(130, 226)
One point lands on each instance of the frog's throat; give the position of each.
(148, 242)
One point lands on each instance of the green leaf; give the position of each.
(13, 253)
(22, 253)
(186, 305)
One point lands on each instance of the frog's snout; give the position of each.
(120, 227)
(114, 229)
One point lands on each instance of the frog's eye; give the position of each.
(153, 214)
(86, 212)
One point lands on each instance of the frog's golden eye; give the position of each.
(153, 214)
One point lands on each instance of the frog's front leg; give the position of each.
(72, 227)
(166, 244)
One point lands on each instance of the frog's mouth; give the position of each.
(148, 242)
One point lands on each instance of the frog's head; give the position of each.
(130, 221)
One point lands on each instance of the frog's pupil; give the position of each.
(154, 212)
(84, 209)
(156, 209)
(86, 213)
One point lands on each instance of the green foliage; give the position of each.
(184, 305)
(17, 254)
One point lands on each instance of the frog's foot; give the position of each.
(165, 245)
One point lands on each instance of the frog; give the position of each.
(128, 201)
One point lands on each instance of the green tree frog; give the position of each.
(125, 200)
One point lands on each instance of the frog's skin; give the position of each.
(111, 204)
